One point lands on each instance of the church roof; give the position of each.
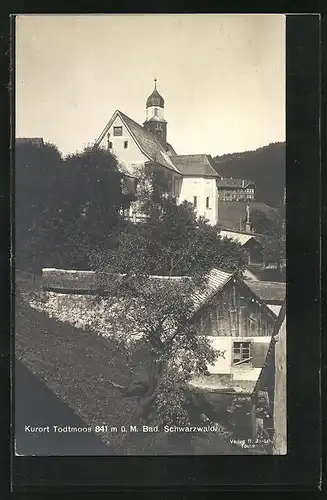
(170, 149)
(146, 141)
(195, 165)
(155, 99)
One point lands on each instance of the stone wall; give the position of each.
(82, 311)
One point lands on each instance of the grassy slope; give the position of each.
(230, 212)
(75, 365)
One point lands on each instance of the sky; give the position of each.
(222, 77)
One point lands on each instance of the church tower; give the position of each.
(155, 121)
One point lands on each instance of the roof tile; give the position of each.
(268, 291)
(198, 164)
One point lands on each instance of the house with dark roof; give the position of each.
(250, 242)
(239, 324)
(235, 189)
(191, 177)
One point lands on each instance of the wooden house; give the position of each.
(240, 325)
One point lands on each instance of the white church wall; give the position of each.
(131, 157)
(202, 188)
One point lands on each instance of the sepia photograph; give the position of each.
(149, 163)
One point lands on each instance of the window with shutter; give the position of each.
(241, 353)
(259, 352)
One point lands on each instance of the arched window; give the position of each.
(156, 112)
(208, 202)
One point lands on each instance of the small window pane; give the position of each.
(118, 130)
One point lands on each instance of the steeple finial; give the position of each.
(155, 83)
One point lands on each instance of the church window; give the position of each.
(195, 201)
(125, 144)
(155, 111)
(110, 145)
(118, 130)
(208, 202)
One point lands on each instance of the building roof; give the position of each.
(196, 165)
(69, 280)
(35, 141)
(155, 99)
(241, 238)
(250, 275)
(272, 292)
(231, 183)
(217, 279)
(275, 308)
(146, 141)
(170, 149)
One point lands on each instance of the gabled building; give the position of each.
(239, 325)
(235, 189)
(191, 178)
(250, 243)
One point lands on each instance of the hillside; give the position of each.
(76, 365)
(230, 212)
(265, 166)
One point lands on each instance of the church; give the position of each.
(191, 177)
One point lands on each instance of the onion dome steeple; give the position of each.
(155, 99)
(155, 121)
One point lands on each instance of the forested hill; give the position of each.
(265, 167)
